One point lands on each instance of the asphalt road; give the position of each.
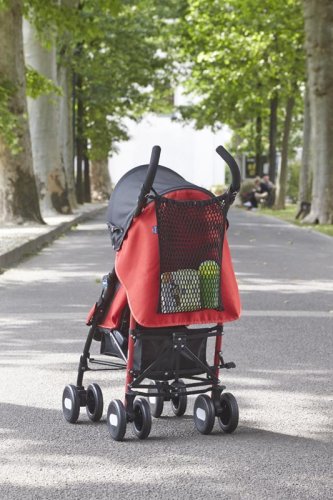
(282, 347)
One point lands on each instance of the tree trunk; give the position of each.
(100, 180)
(272, 138)
(304, 192)
(258, 144)
(318, 16)
(65, 132)
(18, 192)
(43, 120)
(86, 163)
(283, 172)
(79, 139)
(66, 109)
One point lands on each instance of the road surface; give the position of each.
(282, 346)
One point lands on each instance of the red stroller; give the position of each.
(173, 271)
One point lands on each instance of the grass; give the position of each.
(288, 214)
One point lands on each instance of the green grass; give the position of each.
(288, 214)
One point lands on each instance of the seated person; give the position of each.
(266, 189)
(254, 195)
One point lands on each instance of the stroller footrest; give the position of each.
(229, 365)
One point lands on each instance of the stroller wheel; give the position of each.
(116, 420)
(204, 414)
(71, 403)
(156, 403)
(94, 405)
(228, 419)
(179, 402)
(142, 418)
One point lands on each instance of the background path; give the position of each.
(282, 346)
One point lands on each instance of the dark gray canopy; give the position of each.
(123, 201)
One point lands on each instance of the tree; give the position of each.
(57, 26)
(111, 48)
(244, 63)
(119, 72)
(318, 15)
(65, 123)
(283, 172)
(304, 191)
(18, 192)
(43, 120)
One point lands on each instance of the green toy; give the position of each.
(209, 274)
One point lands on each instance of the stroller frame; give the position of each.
(203, 377)
(178, 346)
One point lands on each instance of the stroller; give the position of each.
(172, 288)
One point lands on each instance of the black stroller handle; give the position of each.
(234, 168)
(149, 180)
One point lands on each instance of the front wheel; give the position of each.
(179, 400)
(228, 418)
(156, 402)
(94, 405)
(71, 403)
(142, 418)
(204, 414)
(116, 420)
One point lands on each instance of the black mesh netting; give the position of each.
(190, 242)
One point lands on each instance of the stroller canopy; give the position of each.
(123, 201)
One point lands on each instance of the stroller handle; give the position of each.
(234, 168)
(149, 180)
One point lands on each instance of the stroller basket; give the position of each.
(190, 245)
(159, 350)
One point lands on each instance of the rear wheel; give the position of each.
(156, 403)
(142, 418)
(228, 419)
(116, 420)
(71, 403)
(179, 400)
(94, 406)
(204, 414)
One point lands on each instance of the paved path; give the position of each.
(18, 241)
(282, 346)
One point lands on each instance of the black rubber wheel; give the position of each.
(156, 403)
(204, 414)
(142, 418)
(179, 402)
(94, 406)
(71, 403)
(117, 420)
(228, 420)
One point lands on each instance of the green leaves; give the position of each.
(116, 47)
(9, 123)
(238, 55)
(37, 84)
(123, 72)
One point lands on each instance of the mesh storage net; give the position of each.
(190, 244)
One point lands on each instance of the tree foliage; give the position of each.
(9, 122)
(239, 55)
(113, 45)
(37, 84)
(121, 69)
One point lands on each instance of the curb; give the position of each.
(14, 256)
